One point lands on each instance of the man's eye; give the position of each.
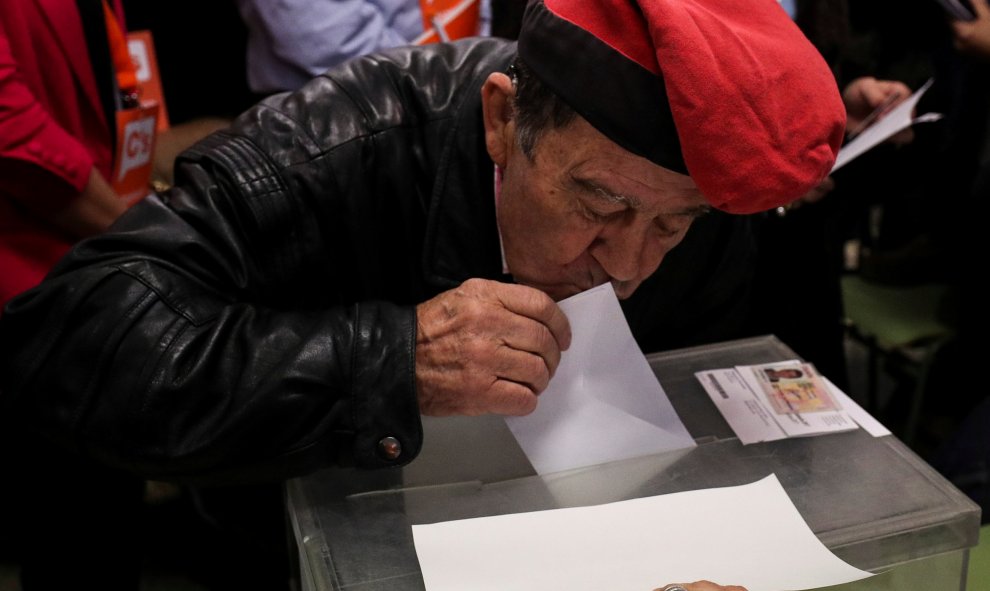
(593, 215)
(666, 227)
(597, 216)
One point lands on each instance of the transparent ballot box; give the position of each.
(872, 501)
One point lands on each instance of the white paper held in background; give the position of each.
(898, 119)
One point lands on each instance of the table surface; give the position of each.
(870, 500)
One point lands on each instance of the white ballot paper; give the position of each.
(749, 535)
(864, 419)
(775, 401)
(898, 119)
(604, 403)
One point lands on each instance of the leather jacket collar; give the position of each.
(462, 239)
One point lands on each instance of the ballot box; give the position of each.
(870, 500)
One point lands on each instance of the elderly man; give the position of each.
(390, 239)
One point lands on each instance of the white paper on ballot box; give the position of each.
(749, 535)
(604, 403)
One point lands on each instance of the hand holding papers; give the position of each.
(604, 403)
(748, 535)
(878, 112)
(897, 119)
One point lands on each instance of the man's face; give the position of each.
(584, 211)
(787, 374)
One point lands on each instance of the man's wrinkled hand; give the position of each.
(487, 347)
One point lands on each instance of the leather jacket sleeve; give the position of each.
(214, 333)
(169, 364)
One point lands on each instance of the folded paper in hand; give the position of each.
(604, 403)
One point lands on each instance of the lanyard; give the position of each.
(122, 64)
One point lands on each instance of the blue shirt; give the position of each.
(291, 41)
(790, 6)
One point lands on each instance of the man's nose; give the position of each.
(628, 251)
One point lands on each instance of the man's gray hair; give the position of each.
(537, 109)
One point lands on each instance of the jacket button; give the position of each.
(34, 148)
(389, 448)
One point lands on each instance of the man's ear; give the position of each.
(497, 96)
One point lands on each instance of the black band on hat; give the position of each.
(620, 98)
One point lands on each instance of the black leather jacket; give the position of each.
(258, 320)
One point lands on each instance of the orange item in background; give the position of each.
(131, 177)
(118, 52)
(149, 83)
(455, 19)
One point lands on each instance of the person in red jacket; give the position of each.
(57, 100)
(58, 96)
